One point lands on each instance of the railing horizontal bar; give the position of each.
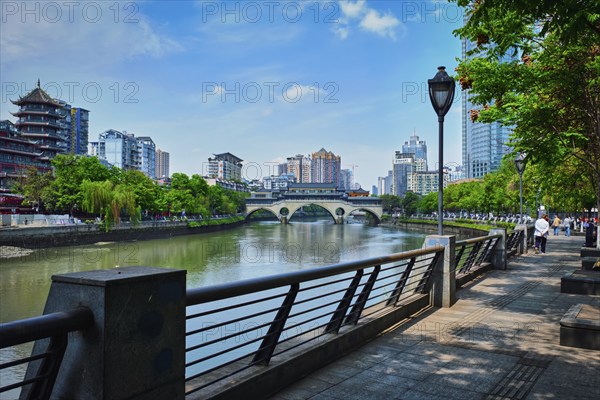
(31, 329)
(24, 382)
(305, 322)
(207, 328)
(308, 310)
(328, 283)
(226, 337)
(27, 359)
(476, 240)
(199, 360)
(232, 289)
(234, 306)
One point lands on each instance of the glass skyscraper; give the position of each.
(483, 145)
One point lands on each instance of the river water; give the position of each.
(254, 250)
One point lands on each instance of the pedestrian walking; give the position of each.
(541, 234)
(567, 225)
(556, 224)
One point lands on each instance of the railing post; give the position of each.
(136, 348)
(523, 241)
(499, 255)
(444, 274)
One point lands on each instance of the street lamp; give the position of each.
(520, 165)
(441, 94)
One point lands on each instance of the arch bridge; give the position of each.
(338, 208)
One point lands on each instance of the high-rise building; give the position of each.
(300, 167)
(416, 147)
(118, 149)
(483, 145)
(146, 156)
(326, 167)
(403, 166)
(346, 179)
(282, 168)
(225, 166)
(161, 167)
(38, 121)
(384, 184)
(424, 183)
(74, 129)
(79, 130)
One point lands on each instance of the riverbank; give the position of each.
(422, 227)
(37, 237)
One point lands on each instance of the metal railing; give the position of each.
(56, 327)
(475, 252)
(233, 327)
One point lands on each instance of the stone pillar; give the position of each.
(523, 242)
(444, 274)
(136, 348)
(499, 256)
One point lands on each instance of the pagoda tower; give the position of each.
(38, 121)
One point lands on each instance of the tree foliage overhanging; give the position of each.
(84, 184)
(536, 67)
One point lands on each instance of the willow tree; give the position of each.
(96, 197)
(550, 90)
(109, 200)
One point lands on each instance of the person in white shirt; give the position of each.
(567, 224)
(541, 234)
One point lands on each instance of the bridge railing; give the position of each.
(235, 327)
(55, 327)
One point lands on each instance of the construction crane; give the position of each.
(353, 166)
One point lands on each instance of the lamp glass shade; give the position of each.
(441, 91)
(520, 163)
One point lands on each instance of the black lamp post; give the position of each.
(520, 165)
(441, 94)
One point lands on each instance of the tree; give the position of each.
(96, 197)
(410, 203)
(35, 187)
(70, 171)
(110, 200)
(550, 91)
(390, 201)
(428, 203)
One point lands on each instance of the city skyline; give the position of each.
(202, 78)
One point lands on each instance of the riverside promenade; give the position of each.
(500, 340)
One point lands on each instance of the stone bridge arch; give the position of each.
(331, 206)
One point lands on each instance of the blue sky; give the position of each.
(262, 80)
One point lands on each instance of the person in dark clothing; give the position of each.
(590, 234)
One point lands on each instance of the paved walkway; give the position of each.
(499, 341)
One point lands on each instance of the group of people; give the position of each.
(542, 228)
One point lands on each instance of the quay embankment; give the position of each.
(422, 227)
(13, 240)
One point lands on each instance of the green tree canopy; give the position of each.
(549, 90)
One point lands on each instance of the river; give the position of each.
(256, 249)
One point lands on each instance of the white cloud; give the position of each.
(383, 25)
(369, 19)
(74, 39)
(352, 10)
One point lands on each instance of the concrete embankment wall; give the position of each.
(68, 235)
(432, 228)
